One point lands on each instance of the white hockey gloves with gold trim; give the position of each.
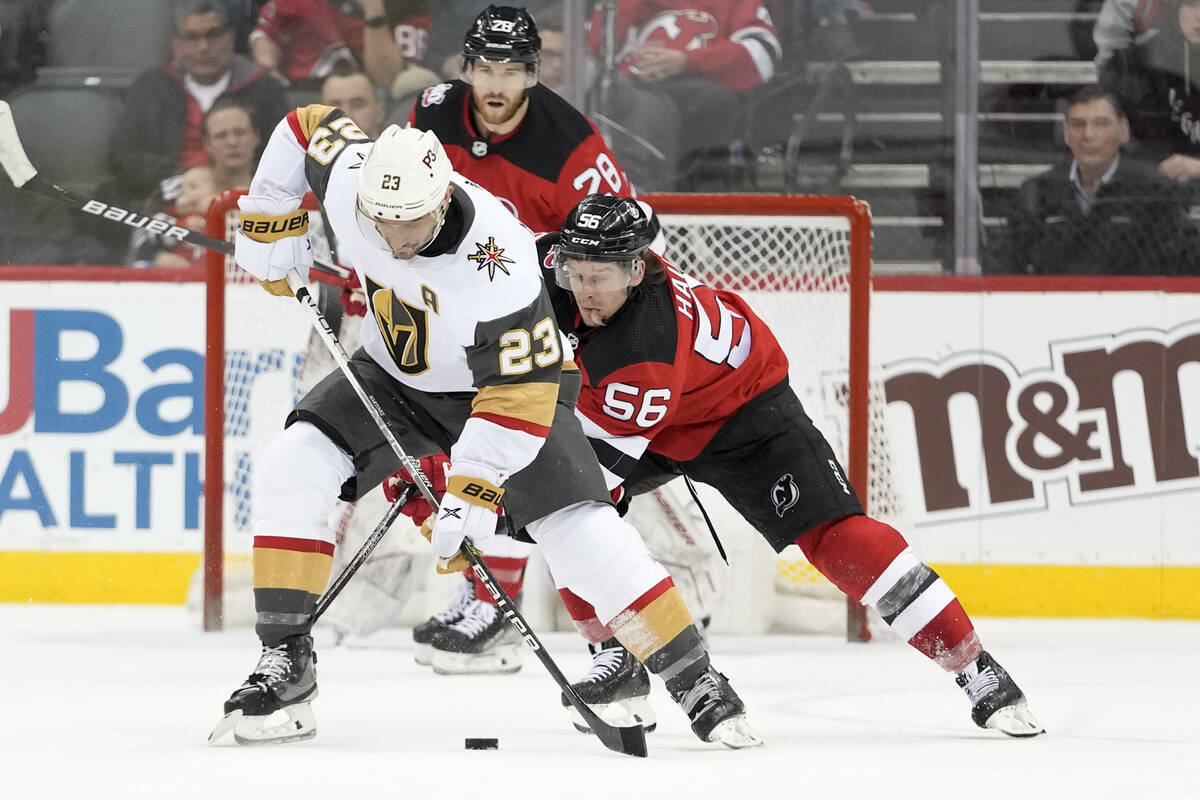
(271, 241)
(469, 508)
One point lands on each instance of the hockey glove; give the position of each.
(469, 508)
(418, 509)
(354, 301)
(271, 242)
(445, 566)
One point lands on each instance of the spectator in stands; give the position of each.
(351, 90)
(161, 132)
(1099, 213)
(680, 74)
(1158, 85)
(231, 142)
(395, 40)
(296, 40)
(1125, 23)
(197, 188)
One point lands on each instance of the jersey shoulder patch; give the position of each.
(435, 95)
(325, 132)
(440, 109)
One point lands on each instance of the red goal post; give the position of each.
(804, 262)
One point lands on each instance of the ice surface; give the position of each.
(116, 702)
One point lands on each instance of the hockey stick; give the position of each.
(628, 740)
(24, 175)
(364, 552)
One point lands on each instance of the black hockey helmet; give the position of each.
(503, 34)
(604, 228)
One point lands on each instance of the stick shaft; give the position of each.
(631, 740)
(364, 552)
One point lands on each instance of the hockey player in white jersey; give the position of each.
(463, 353)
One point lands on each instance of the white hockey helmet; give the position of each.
(404, 176)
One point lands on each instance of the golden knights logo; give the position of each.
(405, 329)
(490, 256)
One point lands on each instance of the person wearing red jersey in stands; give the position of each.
(683, 68)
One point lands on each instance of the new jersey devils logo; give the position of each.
(785, 494)
(691, 29)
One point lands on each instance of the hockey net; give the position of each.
(803, 262)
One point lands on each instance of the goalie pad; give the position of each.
(676, 535)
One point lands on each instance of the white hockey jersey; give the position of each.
(474, 318)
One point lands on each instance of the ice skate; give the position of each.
(273, 705)
(617, 688)
(997, 701)
(423, 634)
(716, 712)
(481, 643)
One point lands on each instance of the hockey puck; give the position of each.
(483, 744)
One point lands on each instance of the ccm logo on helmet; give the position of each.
(584, 241)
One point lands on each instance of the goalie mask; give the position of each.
(404, 178)
(503, 35)
(602, 228)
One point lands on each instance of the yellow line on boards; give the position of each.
(96, 577)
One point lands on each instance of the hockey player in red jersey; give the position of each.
(681, 378)
(540, 156)
(512, 135)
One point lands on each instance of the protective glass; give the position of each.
(582, 274)
(498, 75)
(368, 226)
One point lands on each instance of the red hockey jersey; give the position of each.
(670, 367)
(553, 159)
(311, 33)
(732, 42)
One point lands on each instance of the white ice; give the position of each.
(116, 702)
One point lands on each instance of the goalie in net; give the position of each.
(684, 379)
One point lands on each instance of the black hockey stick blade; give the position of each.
(630, 740)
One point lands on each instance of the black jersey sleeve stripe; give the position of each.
(612, 459)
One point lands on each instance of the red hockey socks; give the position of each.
(871, 562)
(509, 572)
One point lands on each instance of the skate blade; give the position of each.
(621, 714)
(423, 654)
(1015, 720)
(503, 659)
(735, 733)
(294, 723)
(227, 723)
